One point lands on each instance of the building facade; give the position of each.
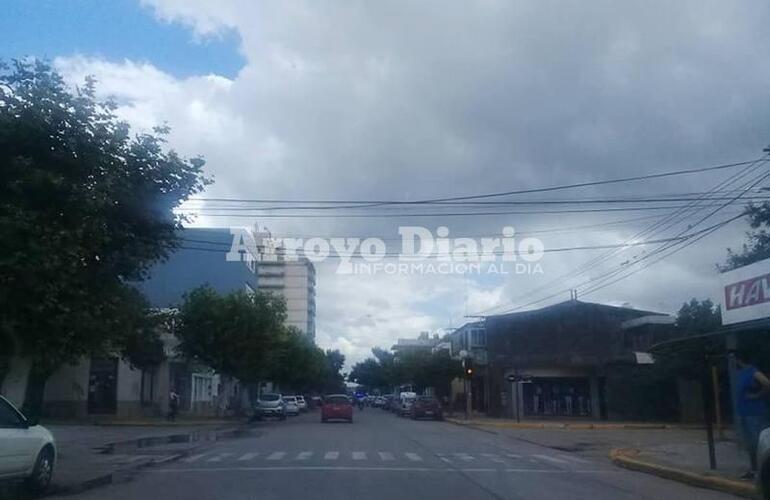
(573, 359)
(108, 386)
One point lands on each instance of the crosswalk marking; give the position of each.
(193, 458)
(550, 459)
(360, 456)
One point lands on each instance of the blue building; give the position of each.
(200, 260)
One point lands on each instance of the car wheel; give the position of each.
(42, 472)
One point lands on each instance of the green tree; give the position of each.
(757, 246)
(84, 207)
(237, 334)
(686, 358)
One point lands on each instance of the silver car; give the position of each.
(27, 450)
(763, 464)
(270, 405)
(290, 405)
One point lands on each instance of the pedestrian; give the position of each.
(173, 404)
(752, 390)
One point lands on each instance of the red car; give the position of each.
(427, 407)
(337, 407)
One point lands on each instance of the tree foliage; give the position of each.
(422, 369)
(686, 358)
(84, 206)
(235, 334)
(757, 246)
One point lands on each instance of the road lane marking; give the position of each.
(248, 456)
(386, 456)
(193, 458)
(304, 455)
(218, 458)
(443, 458)
(464, 456)
(359, 455)
(551, 459)
(414, 457)
(332, 455)
(136, 458)
(276, 455)
(512, 455)
(574, 459)
(493, 458)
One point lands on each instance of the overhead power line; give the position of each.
(497, 194)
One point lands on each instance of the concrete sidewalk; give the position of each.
(93, 455)
(671, 451)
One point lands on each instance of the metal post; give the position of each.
(717, 403)
(518, 412)
(468, 408)
(706, 395)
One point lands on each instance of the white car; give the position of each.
(290, 405)
(301, 403)
(27, 450)
(763, 464)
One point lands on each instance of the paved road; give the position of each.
(381, 456)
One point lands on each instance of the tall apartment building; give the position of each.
(294, 280)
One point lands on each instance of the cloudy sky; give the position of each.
(322, 100)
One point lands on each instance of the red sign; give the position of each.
(747, 293)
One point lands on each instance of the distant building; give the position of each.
(471, 338)
(293, 279)
(424, 342)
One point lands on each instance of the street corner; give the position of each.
(636, 460)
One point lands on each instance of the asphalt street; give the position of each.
(381, 456)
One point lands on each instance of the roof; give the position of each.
(567, 304)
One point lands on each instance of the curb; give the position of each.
(569, 426)
(628, 459)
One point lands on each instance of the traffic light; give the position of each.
(468, 367)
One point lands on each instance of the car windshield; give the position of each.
(310, 249)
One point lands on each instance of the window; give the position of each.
(478, 338)
(8, 416)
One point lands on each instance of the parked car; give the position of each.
(301, 403)
(379, 401)
(395, 404)
(763, 464)
(27, 450)
(405, 410)
(337, 407)
(290, 405)
(427, 407)
(316, 401)
(270, 405)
